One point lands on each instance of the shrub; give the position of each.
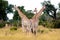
(16, 23)
(13, 28)
(52, 24)
(49, 24)
(2, 24)
(57, 24)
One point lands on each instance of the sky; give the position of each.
(31, 4)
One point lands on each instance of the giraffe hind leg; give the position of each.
(32, 30)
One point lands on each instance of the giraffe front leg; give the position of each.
(23, 29)
(34, 30)
(28, 30)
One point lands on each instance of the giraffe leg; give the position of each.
(23, 29)
(34, 30)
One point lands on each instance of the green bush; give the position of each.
(16, 23)
(57, 24)
(49, 24)
(52, 24)
(2, 24)
(13, 28)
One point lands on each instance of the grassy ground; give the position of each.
(42, 34)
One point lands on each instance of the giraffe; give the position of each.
(30, 24)
(35, 20)
(24, 20)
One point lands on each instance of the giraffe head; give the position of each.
(44, 7)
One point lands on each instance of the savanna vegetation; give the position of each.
(49, 23)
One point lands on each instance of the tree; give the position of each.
(50, 9)
(3, 14)
(3, 6)
(59, 6)
(9, 8)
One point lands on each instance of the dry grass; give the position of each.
(42, 34)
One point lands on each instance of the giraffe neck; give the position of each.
(21, 14)
(37, 15)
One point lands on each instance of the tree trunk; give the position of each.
(55, 14)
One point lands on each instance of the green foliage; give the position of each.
(9, 8)
(41, 31)
(43, 18)
(49, 24)
(3, 6)
(50, 9)
(52, 24)
(57, 24)
(59, 5)
(16, 16)
(29, 15)
(2, 24)
(16, 23)
(47, 21)
(13, 28)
